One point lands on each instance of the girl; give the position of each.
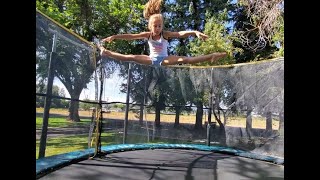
(158, 42)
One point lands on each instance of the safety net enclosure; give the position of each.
(184, 122)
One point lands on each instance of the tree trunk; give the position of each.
(199, 115)
(269, 121)
(221, 134)
(217, 119)
(225, 118)
(74, 109)
(249, 123)
(159, 105)
(177, 118)
(141, 115)
(249, 119)
(157, 119)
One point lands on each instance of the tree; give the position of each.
(257, 29)
(86, 18)
(189, 15)
(177, 96)
(158, 92)
(73, 65)
(264, 21)
(56, 91)
(86, 106)
(248, 54)
(219, 40)
(278, 38)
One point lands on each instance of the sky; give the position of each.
(111, 89)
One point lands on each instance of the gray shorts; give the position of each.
(157, 61)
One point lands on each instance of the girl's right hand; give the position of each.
(108, 39)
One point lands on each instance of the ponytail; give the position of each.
(152, 7)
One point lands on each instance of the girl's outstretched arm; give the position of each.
(183, 34)
(141, 35)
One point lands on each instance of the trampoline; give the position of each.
(161, 161)
(245, 102)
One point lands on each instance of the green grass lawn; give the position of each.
(61, 145)
(69, 143)
(65, 144)
(61, 122)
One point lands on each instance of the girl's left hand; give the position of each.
(201, 35)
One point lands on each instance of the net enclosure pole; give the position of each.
(99, 120)
(125, 127)
(47, 103)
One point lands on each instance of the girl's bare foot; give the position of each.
(218, 55)
(102, 49)
(99, 45)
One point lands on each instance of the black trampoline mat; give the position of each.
(167, 164)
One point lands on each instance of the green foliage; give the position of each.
(188, 15)
(219, 40)
(118, 105)
(51, 8)
(86, 106)
(56, 91)
(278, 38)
(126, 10)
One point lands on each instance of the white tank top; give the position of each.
(158, 47)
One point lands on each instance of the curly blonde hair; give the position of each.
(152, 7)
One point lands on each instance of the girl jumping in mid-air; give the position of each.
(158, 42)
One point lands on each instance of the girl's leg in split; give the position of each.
(171, 60)
(141, 59)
